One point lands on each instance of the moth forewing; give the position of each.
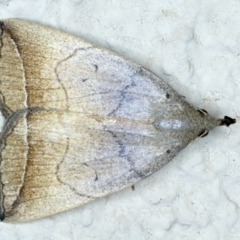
(81, 122)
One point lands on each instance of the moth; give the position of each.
(81, 122)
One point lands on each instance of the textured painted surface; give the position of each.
(193, 46)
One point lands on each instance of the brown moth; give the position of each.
(81, 122)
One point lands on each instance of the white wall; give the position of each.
(195, 47)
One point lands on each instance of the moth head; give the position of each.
(210, 122)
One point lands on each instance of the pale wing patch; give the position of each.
(100, 82)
